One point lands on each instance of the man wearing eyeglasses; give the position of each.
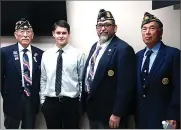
(20, 79)
(109, 77)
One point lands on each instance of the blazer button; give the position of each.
(144, 96)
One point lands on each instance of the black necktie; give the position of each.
(26, 74)
(145, 68)
(58, 81)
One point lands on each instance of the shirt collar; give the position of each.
(65, 48)
(155, 49)
(21, 48)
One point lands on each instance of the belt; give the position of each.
(62, 98)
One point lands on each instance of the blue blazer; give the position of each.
(111, 93)
(162, 89)
(11, 80)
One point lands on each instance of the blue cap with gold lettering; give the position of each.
(104, 15)
(150, 18)
(23, 24)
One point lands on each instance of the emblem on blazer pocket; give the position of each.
(165, 81)
(110, 72)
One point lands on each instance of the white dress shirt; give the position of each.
(101, 52)
(73, 64)
(29, 54)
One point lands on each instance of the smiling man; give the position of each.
(20, 78)
(61, 75)
(108, 77)
(158, 78)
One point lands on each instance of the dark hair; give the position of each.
(61, 23)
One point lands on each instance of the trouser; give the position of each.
(61, 112)
(28, 117)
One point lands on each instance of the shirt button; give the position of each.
(144, 96)
(144, 86)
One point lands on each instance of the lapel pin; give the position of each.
(15, 52)
(16, 58)
(35, 59)
(109, 51)
(35, 55)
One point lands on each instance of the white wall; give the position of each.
(82, 16)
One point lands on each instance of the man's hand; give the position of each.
(114, 121)
(173, 123)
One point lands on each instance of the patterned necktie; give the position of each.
(145, 68)
(26, 74)
(89, 79)
(58, 81)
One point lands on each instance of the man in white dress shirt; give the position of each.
(61, 86)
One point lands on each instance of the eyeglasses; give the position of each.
(106, 25)
(22, 32)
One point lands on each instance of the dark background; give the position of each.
(158, 4)
(41, 14)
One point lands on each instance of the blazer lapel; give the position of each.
(140, 59)
(16, 58)
(102, 65)
(158, 60)
(34, 61)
